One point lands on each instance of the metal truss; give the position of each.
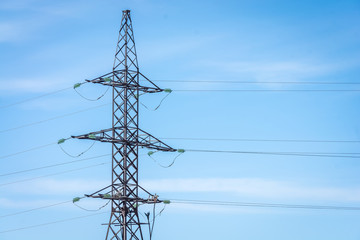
(143, 139)
(126, 138)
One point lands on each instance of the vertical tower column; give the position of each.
(125, 137)
(125, 126)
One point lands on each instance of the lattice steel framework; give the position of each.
(126, 138)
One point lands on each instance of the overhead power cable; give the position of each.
(266, 90)
(90, 210)
(52, 165)
(200, 202)
(53, 174)
(220, 203)
(34, 209)
(27, 150)
(212, 139)
(49, 223)
(79, 154)
(243, 82)
(302, 154)
(265, 205)
(263, 140)
(34, 98)
(86, 98)
(260, 82)
(53, 118)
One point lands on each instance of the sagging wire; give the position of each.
(77, 199)
(77, 85)
(151, 228)
(62, 140)
(159, 214)
(152, 223)
(167, 90)
(180, 151)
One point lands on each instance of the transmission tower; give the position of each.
(126, 137)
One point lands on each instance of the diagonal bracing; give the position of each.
(126, 137)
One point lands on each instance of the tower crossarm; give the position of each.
(149, 141)
(116, 79)
(107, 193)
(144, 139)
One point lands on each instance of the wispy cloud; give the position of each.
(59, 187)
(16, 5)
(254, 188)
(18, 204)
(31, 85)
(172, 47)
(38, 16)
(13, 206)
(12, 31)
(277, 70)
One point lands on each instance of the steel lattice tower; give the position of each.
(126, 138)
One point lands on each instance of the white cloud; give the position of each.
(278, 71)
(38, 17)
(90, 204)
(16, 5)
(30, 85)
(11, 203)
(10, 31)
(254, 188)
(59, 187)
(190, 207)
(171, 47)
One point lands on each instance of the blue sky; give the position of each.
(50, 45)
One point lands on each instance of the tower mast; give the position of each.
(126, 137)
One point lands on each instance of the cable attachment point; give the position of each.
(76, 199)
(166, 90)
(106, 196)
(62, 140)
(180, 151)
(92, 136)
(76, 85)
(151, 153)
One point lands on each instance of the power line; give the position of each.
(260, 82)
(264, 140)
(211, 139)
(266, 205)
(197, 202)
(213, 90)
(27, 150)
(223, 139)
(304, 154)
(221, 203)
(50, 166)
(53, 174)
(49, 223)
(36, 97)
(34, 209)
(267, 90)
(316, 154)
(53, 118)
